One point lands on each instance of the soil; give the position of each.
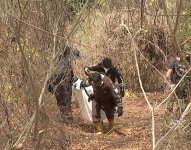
(132, 131)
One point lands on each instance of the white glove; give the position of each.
(77, 84)
(86, 69)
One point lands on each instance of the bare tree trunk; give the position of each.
(38, 100)
(142, 11)
(72, 29)
(173, 34)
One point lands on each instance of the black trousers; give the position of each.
(63, 97)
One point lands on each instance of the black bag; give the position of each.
(178, 71)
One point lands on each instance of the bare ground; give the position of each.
(132, 130)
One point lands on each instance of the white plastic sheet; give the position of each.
(81, 99)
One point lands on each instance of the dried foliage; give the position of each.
(113, 41)
(98, 35)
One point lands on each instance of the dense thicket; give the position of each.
(33, 33)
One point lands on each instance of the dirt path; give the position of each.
(132, 130)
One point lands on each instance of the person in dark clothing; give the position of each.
(173, 74)
(106, 96)
(61, 79)
(111, 71)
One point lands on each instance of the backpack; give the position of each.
(182, 89)
(180, 68)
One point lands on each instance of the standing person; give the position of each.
(106, 96)
(60, 81)
(111, 71)
(173, 74)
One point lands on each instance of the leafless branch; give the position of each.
(140, 82)
(40, 135)
(72, 29)
(174, 39)
(177, 18)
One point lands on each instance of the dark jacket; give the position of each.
(62, 75)
(112, 73)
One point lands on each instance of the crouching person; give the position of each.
(106, 96)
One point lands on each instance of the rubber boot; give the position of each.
(111, 126)
(99, 127)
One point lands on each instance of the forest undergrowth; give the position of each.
(141, 45)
